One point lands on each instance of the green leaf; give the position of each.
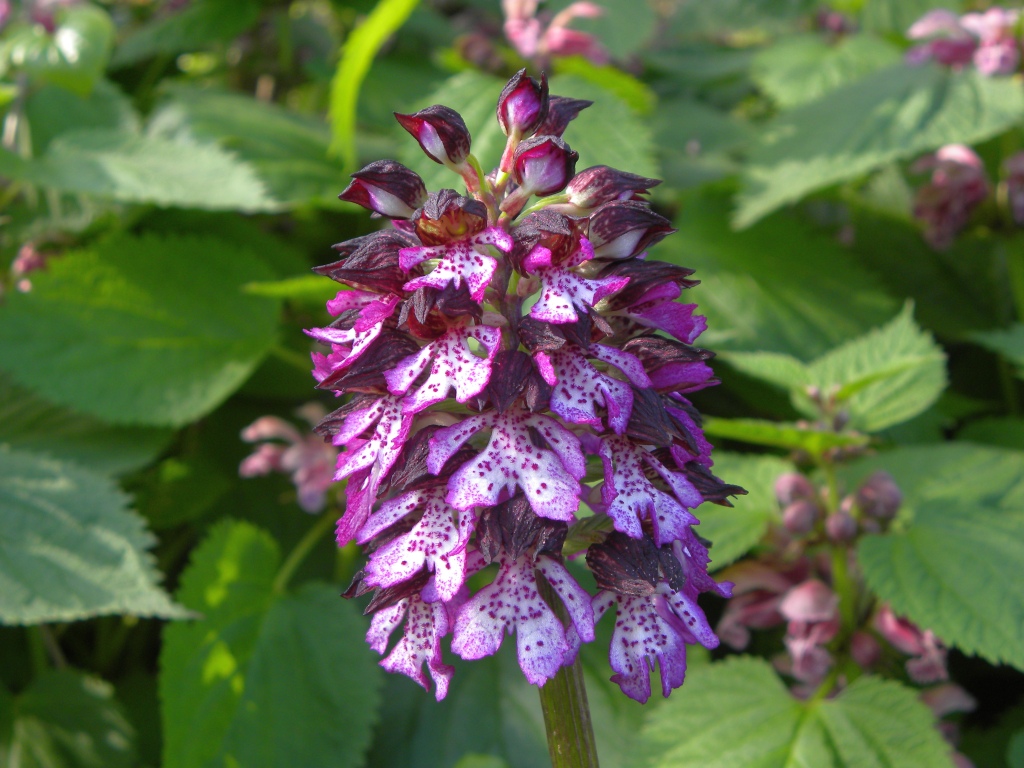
(894, 114)
(733, 531)
(781, 435)
(191, 28)
(128, 168)
(1004, 432)
(71, 549)
(360, 48)
(696, 142)
(775, 368)
(803, 68)
(607, 133)
(722, 17)
(288, 151)
(64, 719)
(73, 57)
(309, 289)
(264, 679)
(737, 714)
(886, 377)
(959, 538)
(1008, 343)
(778, 287)
(896, 16)
(142, 330)
(636, 94)
(52, 110)
(29, 423)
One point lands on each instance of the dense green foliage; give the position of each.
(176, 165)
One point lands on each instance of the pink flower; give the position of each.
(957, 186)
(308, 459)
(531, 38)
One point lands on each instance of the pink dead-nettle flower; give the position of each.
(958, 185)
(538, 38)
(987, 40)
(483, 353)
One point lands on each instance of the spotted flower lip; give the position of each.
(481, 353)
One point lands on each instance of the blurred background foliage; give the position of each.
(169, 176)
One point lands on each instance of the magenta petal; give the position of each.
(380, 452)
(384, 622)
(359, 500)
(574, 597)
(563, 293)
(460, 263)
(579, 388)
(626, 362)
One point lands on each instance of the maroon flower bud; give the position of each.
(840, 527)
(600, 184)
(448, 216)
(800, 516)
(1014, 168)
(523, 104)
(865, 649)
(387, 188)
(561, 112)
(543, 165)
(621, 230)
(441, 132)
(793, 486)
(879, 497)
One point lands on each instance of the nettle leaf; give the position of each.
(52, 110)
(27, 422)
(188, 29)
(73, 57)
(264, 678)
(802, 68)
(886, 377)
(1004, 432)
(782, 435)
(71, 548)
(287, 150)
(738, 714)
(896, 16)
(959, 537)
(122, 166)
(697, 142)
(734, 530)
(778, 287)
(1009, 343)
(894, 114)
(65, 719)
(608, 132)
(144, 330)
(881, 379)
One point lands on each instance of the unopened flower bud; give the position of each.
(387, 188)
(542, 165)
(561, 112)
(865, 649)
(621, 230)
(800, 516)
(792, 486)
(879, 496)
(840, 527)
(600, 184)
(523, 104)
(447, 216)
(441, 132)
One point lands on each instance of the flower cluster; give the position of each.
(989, 40)
(487, 347)
(957, 187)
(792, 583)
(533, 38)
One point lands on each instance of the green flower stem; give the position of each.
(563, 700)
(302, 549)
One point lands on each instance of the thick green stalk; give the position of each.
(563, 700)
